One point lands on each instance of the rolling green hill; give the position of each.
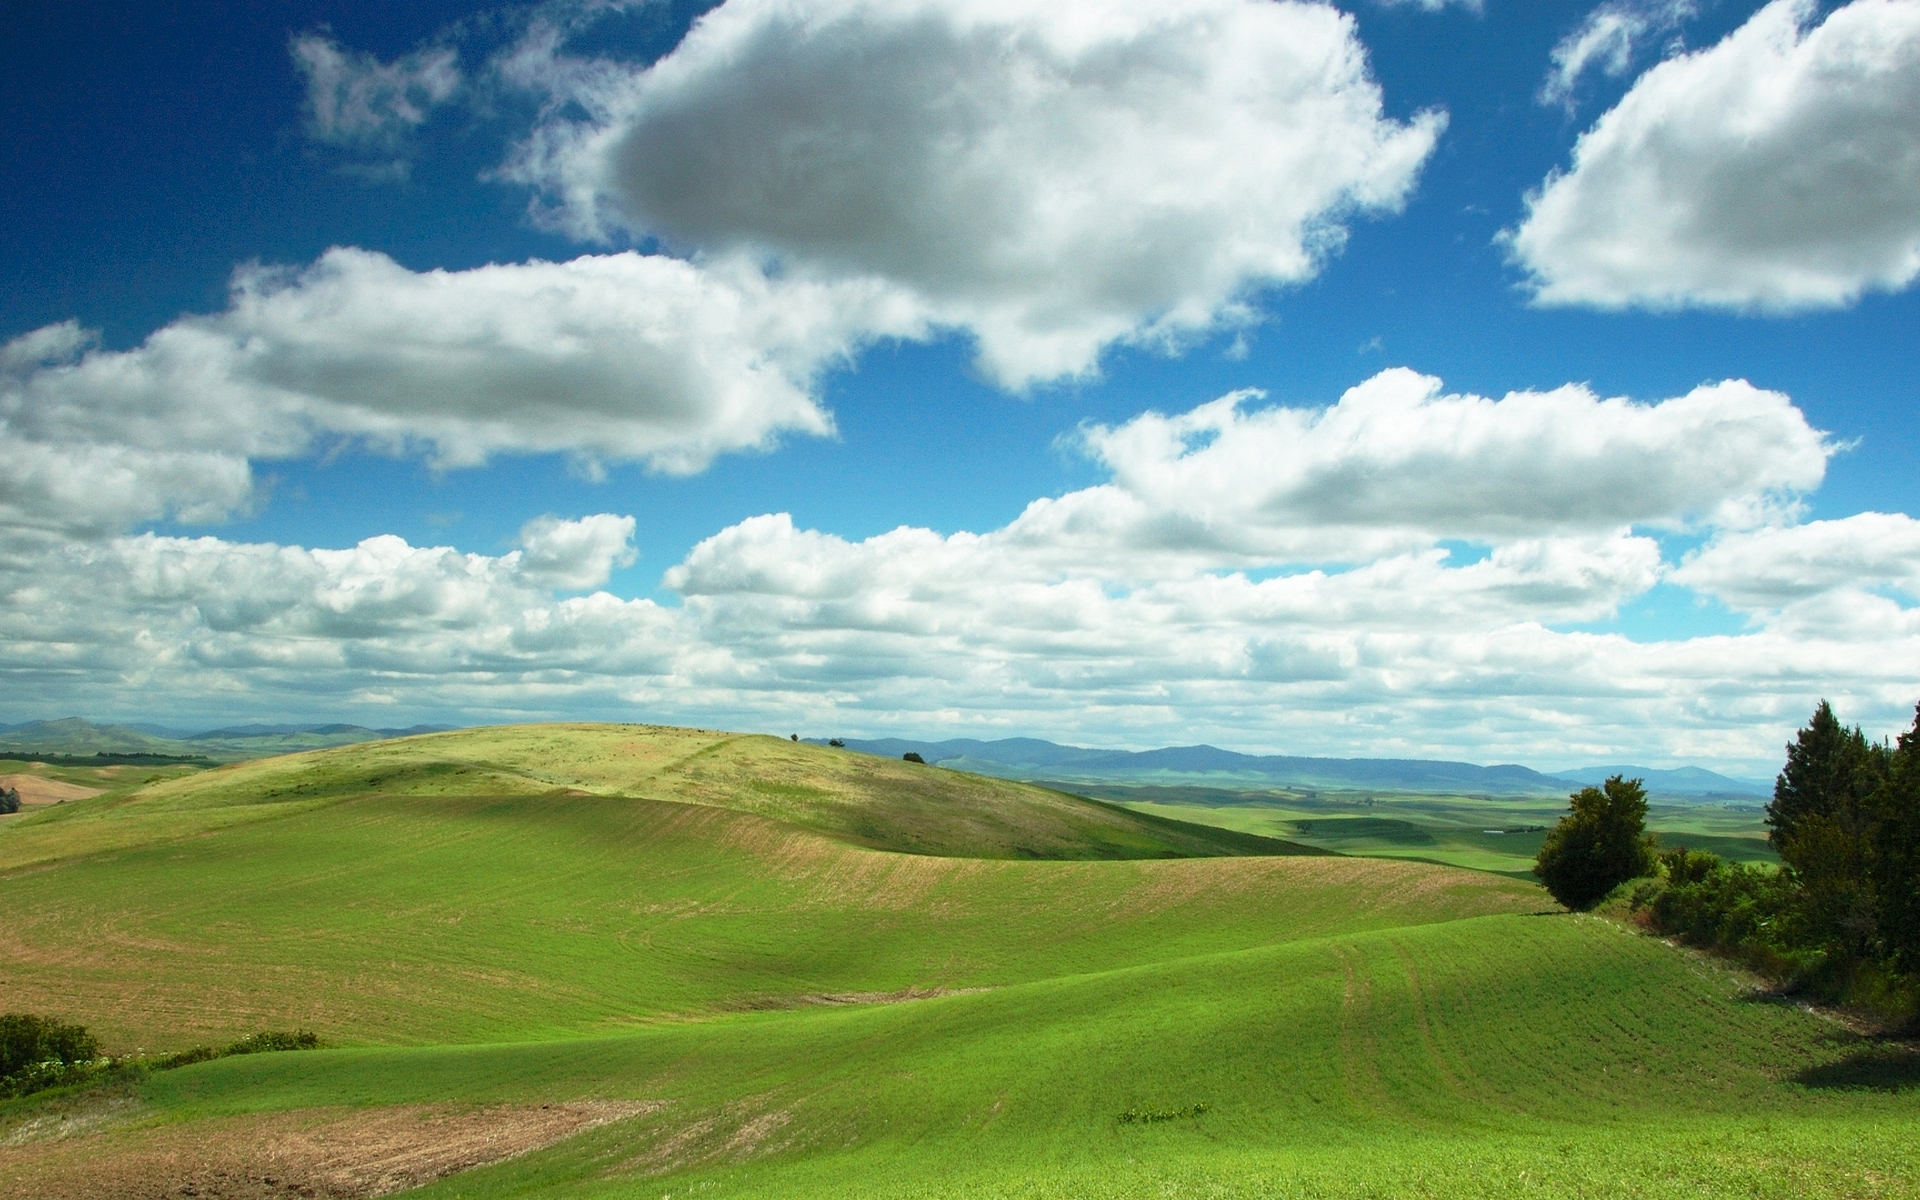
(797, 973)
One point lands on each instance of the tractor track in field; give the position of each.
(1359, 1048)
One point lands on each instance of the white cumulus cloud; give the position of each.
(1053, 178)
(575, 554)
(1318, 599)
(1772, 568)
(1398, 459)
(204, 616)
(617, 357)
(1776, 171)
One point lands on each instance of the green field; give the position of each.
(812, 973)
(1484, 833)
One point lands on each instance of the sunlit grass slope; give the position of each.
(562, 913)
(1488, 1056)
(852, 797)
(349, 892)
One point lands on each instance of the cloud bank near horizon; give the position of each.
(1351, 579)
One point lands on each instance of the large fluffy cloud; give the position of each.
(1778, 170)
(1051, 177)
(1396, 462)
(614, 357)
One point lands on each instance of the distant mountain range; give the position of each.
(1008, 758)
(74, 737)
(1032, 759)
(1681, 781)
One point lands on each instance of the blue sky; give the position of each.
(856, 368)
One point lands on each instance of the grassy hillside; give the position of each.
(488, 922)
(856, 798)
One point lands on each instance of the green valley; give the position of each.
(1485, 833)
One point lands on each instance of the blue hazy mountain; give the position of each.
(1681, 781)
(1034, 759)
(74, 736)
(1030, 758)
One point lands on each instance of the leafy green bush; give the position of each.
(1708, 902)
(185, 1058)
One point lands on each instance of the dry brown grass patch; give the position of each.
(37, 789)
(315, 1152)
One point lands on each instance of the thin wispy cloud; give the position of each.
(1609, 40)
(355, 99)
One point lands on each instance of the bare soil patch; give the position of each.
(35, 789)
(332, 1153)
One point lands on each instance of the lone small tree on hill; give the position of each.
(1599, 845)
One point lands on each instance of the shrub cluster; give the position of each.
(253, 1043)
(9, 801)
(41, 1052)
(1842, 915)
(1153, 1116)
(37, 1053)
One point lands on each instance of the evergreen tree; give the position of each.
(1600, 844)
(1894, 864)
(1823, 819)
(1829, 772)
